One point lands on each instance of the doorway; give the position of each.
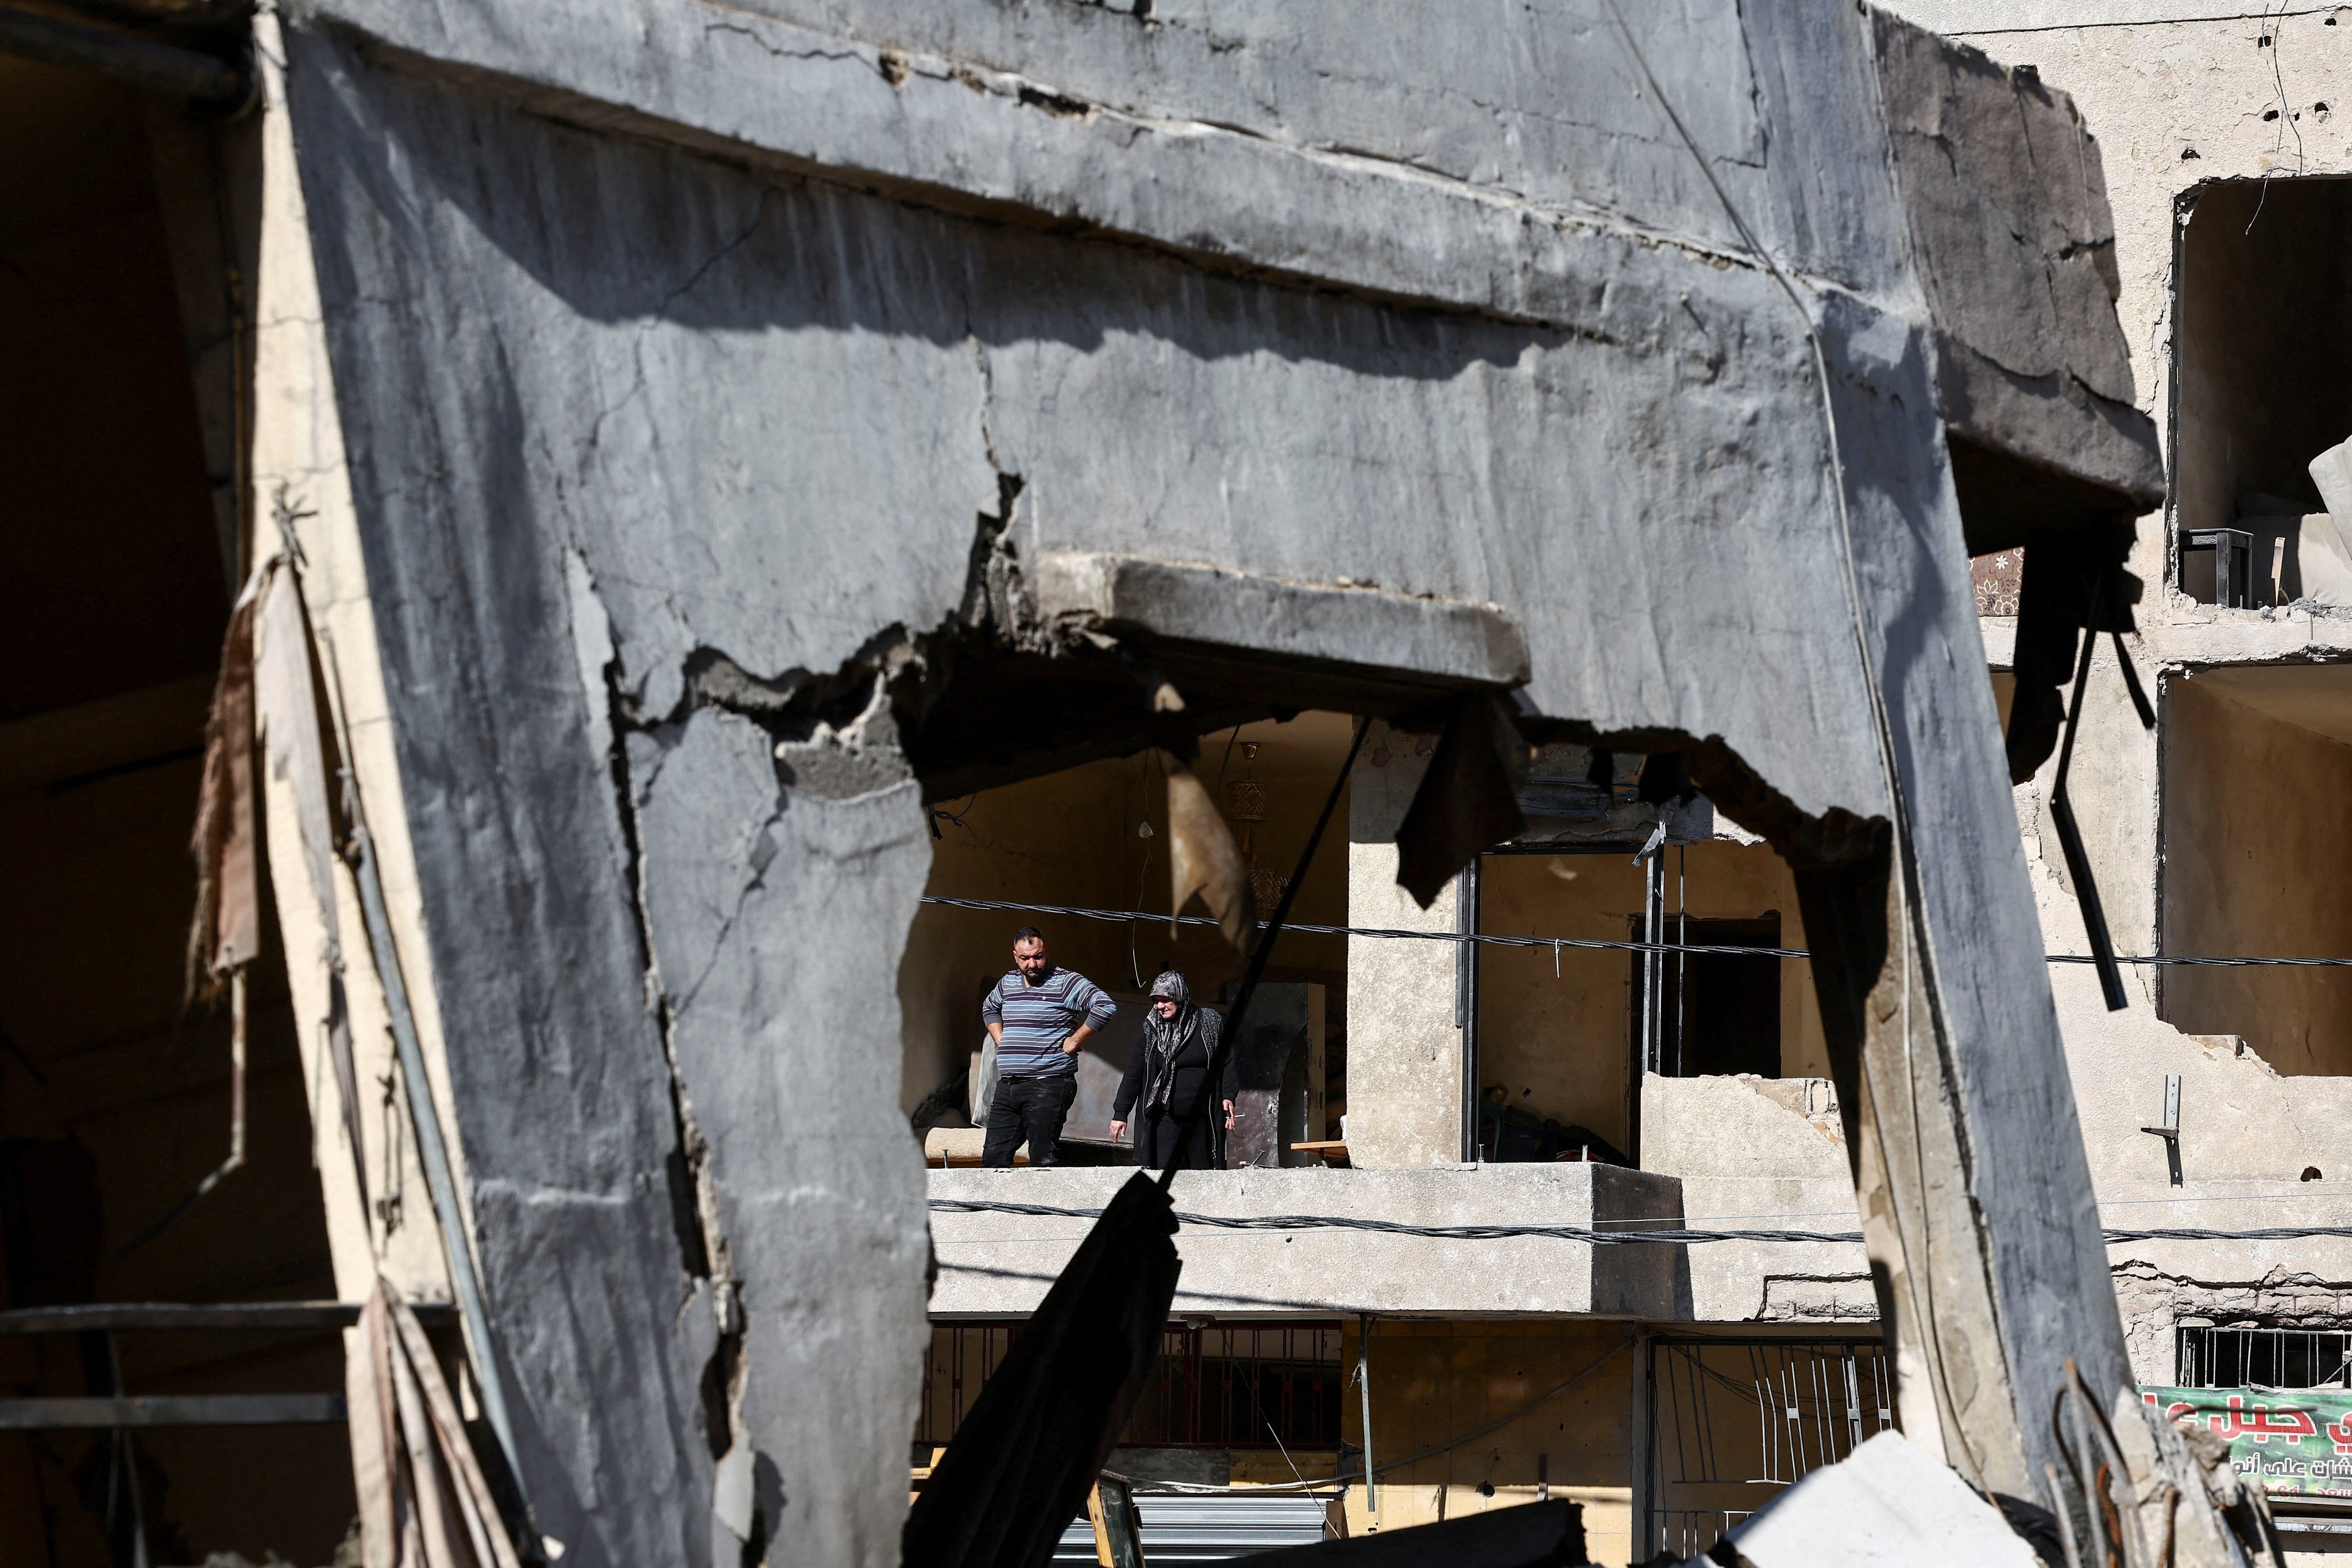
(1720, 1012)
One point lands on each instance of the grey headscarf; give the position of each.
(1163, 1037)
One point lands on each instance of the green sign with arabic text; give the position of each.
(2298, 1443)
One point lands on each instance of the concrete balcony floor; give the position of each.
(1001, 1264)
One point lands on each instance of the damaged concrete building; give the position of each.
(683, 486)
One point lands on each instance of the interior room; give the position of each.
(2258, 389)
(1094, 837)
(1556, 1033)
(2257, 816)
(115, 1093)
(1559, 1031)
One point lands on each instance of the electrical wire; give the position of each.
(1591, 1236)
(1384, 933)
(1712, 1219)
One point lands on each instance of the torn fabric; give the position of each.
(1203, 858)
(1020, 1466)
(226, 931)
(1201, 855)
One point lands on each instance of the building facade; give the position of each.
(695, 484)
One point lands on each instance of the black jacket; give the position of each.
(1148, 1077)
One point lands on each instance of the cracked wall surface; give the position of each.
(672, 460)
(1763, 1153)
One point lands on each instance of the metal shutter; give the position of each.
(1208, 1528)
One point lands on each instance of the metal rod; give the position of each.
(2070, 837)
(1682, 940)
(236, 1058)
(1465, 919)
(1364, 1408)
(173, 1410)
(429, 1146)
(174, 1316)
(1229, 1038)
(163, 68)
(1654, 931)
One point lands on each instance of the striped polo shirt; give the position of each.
(1038, 1018)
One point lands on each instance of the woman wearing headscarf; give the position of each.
(1167, 1083)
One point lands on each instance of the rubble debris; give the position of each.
(1886, 1503)
(424, 1499)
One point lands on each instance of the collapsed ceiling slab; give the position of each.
(704, 381)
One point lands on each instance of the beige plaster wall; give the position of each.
(1405, 1051)
(1756, 1154)
(2257, 819)
(1069, 838)
(1560, 1043)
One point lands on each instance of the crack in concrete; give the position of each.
(705, 1259)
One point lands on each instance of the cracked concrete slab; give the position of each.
(791, 1066)
(740, 365)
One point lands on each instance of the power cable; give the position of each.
(1383, 934)
(1591, 1236)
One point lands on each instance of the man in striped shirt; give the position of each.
(1039, 1015)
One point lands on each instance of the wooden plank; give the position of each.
(167, 1315)
(173, 1410)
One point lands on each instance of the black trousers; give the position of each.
(1031, 1107)
(1162, 1141)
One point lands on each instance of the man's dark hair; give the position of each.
(1027, 933)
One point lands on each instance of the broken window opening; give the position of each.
(2254, 760)
(2259, 391)
(1563, 1041)
(1719, 1012)
(1096, 837)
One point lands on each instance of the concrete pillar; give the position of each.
(1404, 1053)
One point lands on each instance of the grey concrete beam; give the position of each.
(2007, 208)
(1384, 636)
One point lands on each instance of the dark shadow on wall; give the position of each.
(621, 229)
(114, 1096)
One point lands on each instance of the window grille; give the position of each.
(2262, 1358)
(1732, 1422)
(1223, 1385)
